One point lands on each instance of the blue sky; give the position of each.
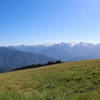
(47, 21)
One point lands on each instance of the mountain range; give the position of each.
(12, 57)
(64, 51)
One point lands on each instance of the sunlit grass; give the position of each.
(67, 81)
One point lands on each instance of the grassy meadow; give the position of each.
(78, 80)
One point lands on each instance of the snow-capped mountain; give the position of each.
(64, 51)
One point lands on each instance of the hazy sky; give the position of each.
(43, 21)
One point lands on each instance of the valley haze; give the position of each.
(64, 51)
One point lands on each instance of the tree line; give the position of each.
(38, 65)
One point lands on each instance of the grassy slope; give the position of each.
(68, 81)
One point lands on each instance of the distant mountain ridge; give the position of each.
(10, 58)
(65, 51)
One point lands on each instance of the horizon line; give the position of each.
(47, 43)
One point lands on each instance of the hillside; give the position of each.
(67, 81)
(11, 58)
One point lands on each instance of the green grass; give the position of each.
(78, 80)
